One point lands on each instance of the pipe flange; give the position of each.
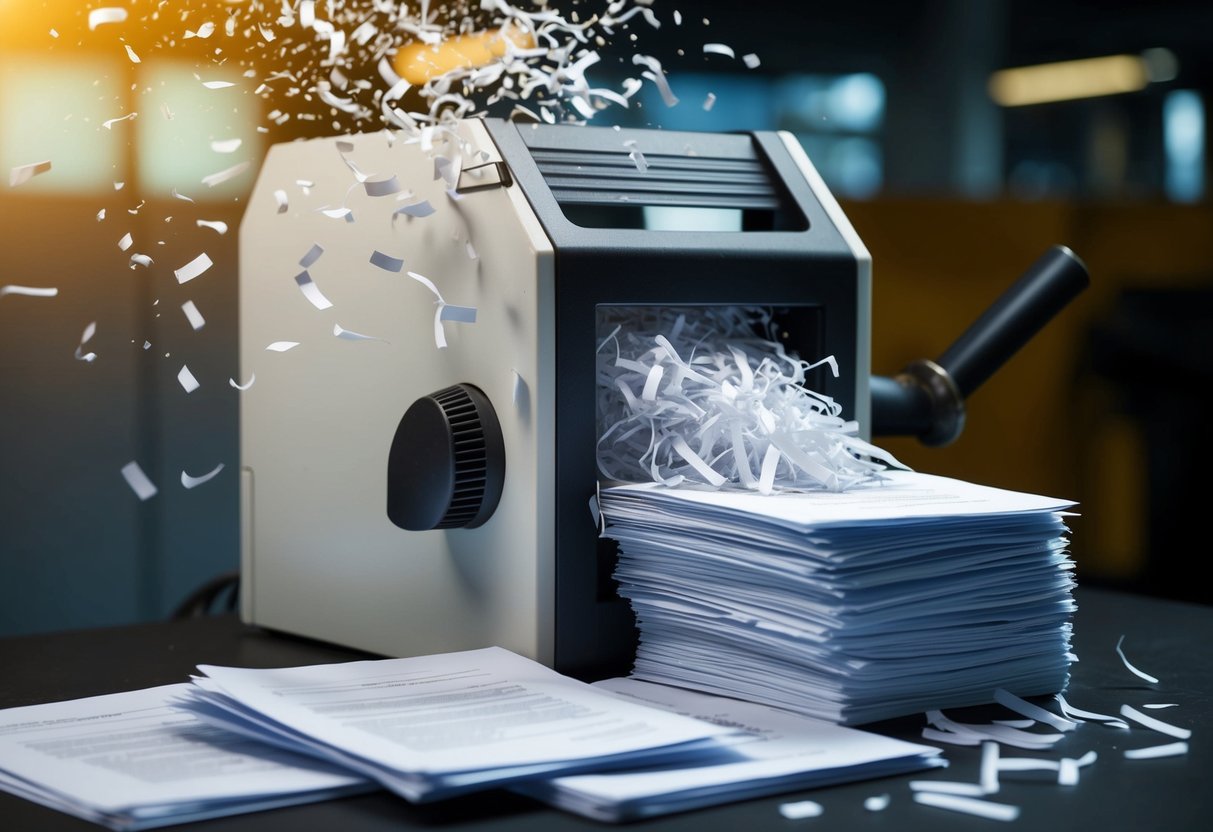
(947, 403)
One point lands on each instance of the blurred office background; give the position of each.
(954, 184)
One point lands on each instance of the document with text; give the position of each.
(431, 726)
(134, 761)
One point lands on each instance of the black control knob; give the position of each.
(446, 467)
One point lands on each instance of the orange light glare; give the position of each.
(419, 62)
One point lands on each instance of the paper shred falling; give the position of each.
(193, 315)
(28, 291)
(465, 314)
(187, 380)
(1160, 705)
(214, 225)
(140, 260)
(183, 197)
(211, 180)
(1155, 723)
(53, 33)
(350, 335)
(246, 385)
(24, 173)
(416, 209)
(381, 187)
(217, 85)
(751, 60)
(138, 481)
(226, 145)
(282, 346)
(111, 14)
(718, 49)
(193, 268)
(125, 242)
(204, 31)
(386, 261)
(109, 123)
(1140, 673)
(636, 156)
(876, 803)
(130, 53)
(311, 291)
(313, 254)
(283, 202)
(194, 482)
(471, 250)
(800, 809)
(709, 102)
(1171, 749)
(968, 805)
(85, 337)
(101, 215)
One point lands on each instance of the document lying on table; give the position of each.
(135, 761)
(781, 752)
(433, 726)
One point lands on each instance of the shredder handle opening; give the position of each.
(927, 398)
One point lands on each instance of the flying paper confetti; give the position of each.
(28, 291)
(194, 482)
(193, 268)
(99, 17)
(138, 481)
(24, 173)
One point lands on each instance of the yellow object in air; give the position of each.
(419, 62)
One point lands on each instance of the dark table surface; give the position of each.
(1170, 640)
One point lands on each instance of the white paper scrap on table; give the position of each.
(213, 179)
(947, 787)
(282, 346)
(1022, 706)
(213, 225)
(194, 482)
(1155, 723)
(193, 268)
(138, 481)
(187, 380)
(110, 14)
(311, 291)
(968, 805)
(24, 173)
(1140, 673)
(88, 333)
(1171, 749)
(1091, 716)
(876, 803)
(28, 291)
(246, 385)
(193, 315)
(1154, 706)
(800, 809)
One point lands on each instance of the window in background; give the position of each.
(56, 111)
(1183, 117)
(837, 118)
(190, 131)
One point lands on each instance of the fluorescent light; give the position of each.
(1066, 80)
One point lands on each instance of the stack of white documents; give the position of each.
(915, 593)
(134, 761)
(431, 727)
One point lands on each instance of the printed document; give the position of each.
(135, 761)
